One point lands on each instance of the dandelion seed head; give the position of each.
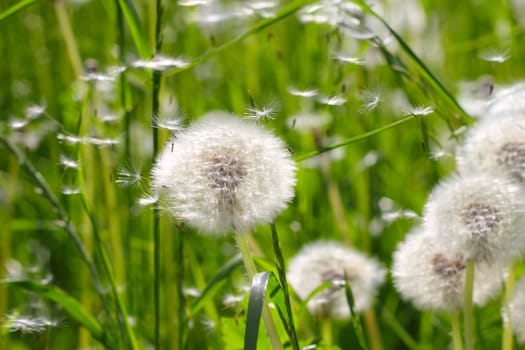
(481, 214)
(516, 307)
(494, 145)
(327, 261)
(431, 273)
(223, 174)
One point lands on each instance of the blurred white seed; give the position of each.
(418, 110)
(302, 93)
(161, 63)
(68, 163)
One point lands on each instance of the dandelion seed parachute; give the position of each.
(431, 274)
(482, 215)
(224, 174)
(323, 261)
(495, 144)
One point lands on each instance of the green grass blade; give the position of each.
(137, 31)
(354, 139)
(215, 283)
(70, 305)
(356, 319)
(16, 8)
(282, 14)
(427, 73)
(255, 307)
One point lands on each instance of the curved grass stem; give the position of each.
(252, 270)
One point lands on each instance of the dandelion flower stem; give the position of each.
(468, 306)
(507, 342)
(284, 285)
(456, 331)
(252, 270)
(374, 334)
(327, 332)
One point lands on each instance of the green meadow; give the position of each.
(371, 103)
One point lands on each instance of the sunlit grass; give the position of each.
(92, 90)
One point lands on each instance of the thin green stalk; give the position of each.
(41, 183)
(156, 77)
(398, 329)
(252, 270)
(508, 338)
(180, 291)
(468, 306)
(425, 71)
(354, 139)
(374, 334)
(327, 332)
(284, 285)
(69, 37)
(282, 14)
(456, 331)
(15, 9)
(123, 317)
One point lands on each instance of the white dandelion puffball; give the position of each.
(224, 174)
(327, 261)
(483, 215)
(431, 274)
(517, 310)
(495, 144)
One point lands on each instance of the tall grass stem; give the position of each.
(508, 338)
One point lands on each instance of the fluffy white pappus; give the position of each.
(223, 174)
(328, 261)
(517, 310)
(431, 274)
(494, 145)
(483, 215)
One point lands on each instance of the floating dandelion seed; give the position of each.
(173, 124)
(224, 174)
(27, 324)
(128, 176)
(148, 199)
(418, 110)
(494, 145)
(69, 191)
(347, 59)
(34, 111)
(302, 93)
(327, 261)
(371, 100)
(306, 122)
(334, 100)
(495, 56)
(68, 163)
(264, 112)
(516, 310)
(431, 274)
(483, 215)
(161, 63)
